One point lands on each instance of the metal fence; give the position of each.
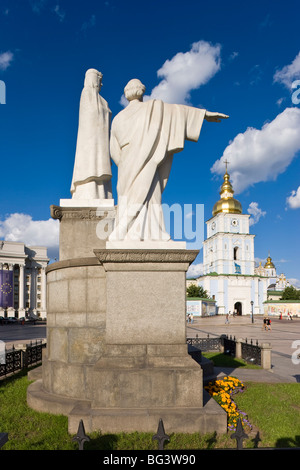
(18, 359)
(229, 345)
(205, 344)
(161, 437)
(250, 352)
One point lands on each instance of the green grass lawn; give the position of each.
(26, 428)
(225, 360)
(273, 410)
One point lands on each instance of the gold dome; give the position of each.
(269, 264)
(227, 203)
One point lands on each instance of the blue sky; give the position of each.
(238, 58)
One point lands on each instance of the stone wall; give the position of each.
(76, 324)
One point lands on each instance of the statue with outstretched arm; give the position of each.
(144, 138)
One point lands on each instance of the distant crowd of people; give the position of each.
(266, 320)
(289, 316)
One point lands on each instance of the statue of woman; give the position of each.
(92, 167)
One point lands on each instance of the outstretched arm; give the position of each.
(214, 117)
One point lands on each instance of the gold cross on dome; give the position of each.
(226, 163)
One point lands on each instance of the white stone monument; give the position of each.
(144, 138)
(91, 182)
(116, 353)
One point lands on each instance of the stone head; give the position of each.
(134, 90)
(93, 78)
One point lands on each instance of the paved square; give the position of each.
(284, 337)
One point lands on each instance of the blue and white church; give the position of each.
(229, 273)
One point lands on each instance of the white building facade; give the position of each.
(229, 273)
(22, 280)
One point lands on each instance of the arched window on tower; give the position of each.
(235, 252)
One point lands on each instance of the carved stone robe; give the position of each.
(144, 138)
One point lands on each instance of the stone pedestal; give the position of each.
(145, 365)
(82, 229)
(116, 352)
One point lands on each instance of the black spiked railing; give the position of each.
(3, 438)
(81, 436)
(239, 435)
(161, 436)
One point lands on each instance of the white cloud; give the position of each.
(259, 260)
(233, 56)
(261, 155)
(90, 23)
(5, 59)
(187, 71)
(59, 12)
(21, 228)
(280, 101)
(37, 5)
(266, 22)
(194, 271)
(255, 212)
(289, 73)
(294, 282)
(293, 200)
(256, 74)
(189, 215)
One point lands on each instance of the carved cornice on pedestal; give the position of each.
(90, 213)
(145, 256)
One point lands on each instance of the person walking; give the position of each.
(264, 324)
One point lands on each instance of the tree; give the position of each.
(290, 293)
(197, 291)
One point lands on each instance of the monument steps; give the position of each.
(209, 418)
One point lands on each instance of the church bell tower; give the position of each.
(229, 247)
(228, 258)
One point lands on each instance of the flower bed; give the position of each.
(222, 391)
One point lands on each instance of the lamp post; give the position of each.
(252, 319)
